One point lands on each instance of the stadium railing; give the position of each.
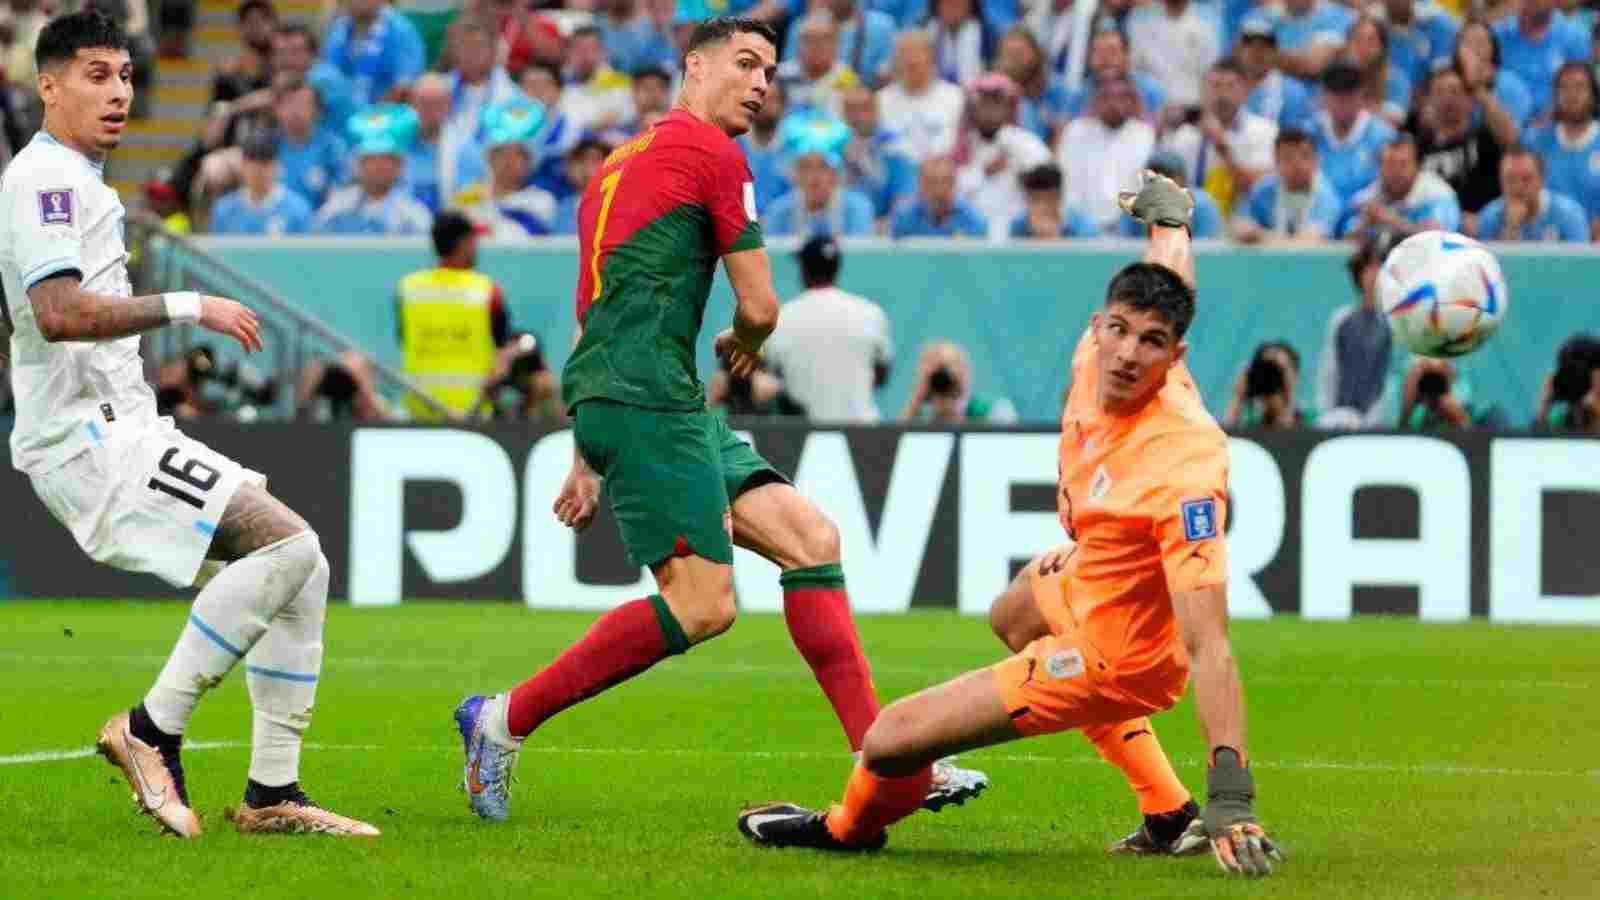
(162, 261)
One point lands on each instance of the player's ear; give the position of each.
(1094, 326)
(1180, 352)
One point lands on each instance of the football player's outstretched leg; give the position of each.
(135, 492)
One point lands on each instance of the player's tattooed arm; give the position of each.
(66, 311)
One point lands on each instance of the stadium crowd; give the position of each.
(1297, 121)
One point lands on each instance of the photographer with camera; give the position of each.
(341, 388)
(1433, 397)
(521, 386)
(1570, 398)
(198, 384)
(1264, 393)
(943, 394)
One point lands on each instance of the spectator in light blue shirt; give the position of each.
(635, 40)
(311, 160)
(1108, 60)
(935, 211)
(866, 39)
(905, 13)
(1348, 137)
(1535, 43)
(876, 161)
(818, 205)
(294, 51)
(581, 164)
(378, 203)
(1041, 100)
(1479, 40)
(1367, 44)
(763, 148)
(1569, 147)
(1047, 216)
(1307, 30)
(1293, 204)
(1404, 200)
(261, 206)
(1274, 96)
(1526, 211)
(1421, 34)
(375, 47)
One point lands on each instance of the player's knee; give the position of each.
(886, 749)
(710, 611)
(303, 558)
(819, 542)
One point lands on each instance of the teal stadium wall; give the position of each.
(1018, 309)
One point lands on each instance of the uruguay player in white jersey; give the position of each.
(136, 493)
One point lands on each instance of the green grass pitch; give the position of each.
(1393, 759)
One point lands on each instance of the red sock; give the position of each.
(817, 609)
(619, 645)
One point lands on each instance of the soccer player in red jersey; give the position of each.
(653, 222)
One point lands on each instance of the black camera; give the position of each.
(1263, 379)
(338, 388)
(1431, 386)
(1575, 364)
(1192, 115)
(229, 386)
(943, 382)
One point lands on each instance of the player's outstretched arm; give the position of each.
(66, 311)
(1167, 208)
(1229, 820)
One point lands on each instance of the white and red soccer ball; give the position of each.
(1443, 293)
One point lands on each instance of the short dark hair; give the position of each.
(820, 261)
(1041, 178)
(1523, 150)
(295, 29)
(1292, 135)
(1229, 64)
(1403, 139)
(653, 71)
(1372, 250)
(60, 40)
(1152, 286)
(718, 29)
(1265, 347)
(450, 228)
(250, 6)
(550, 68)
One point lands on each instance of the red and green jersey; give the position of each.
(652, 224)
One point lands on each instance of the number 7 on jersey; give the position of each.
(608, 190)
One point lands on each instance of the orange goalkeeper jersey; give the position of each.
(1144, 499)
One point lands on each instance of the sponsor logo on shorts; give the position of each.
(55, 207)
(1064, 663)
(1199, 519)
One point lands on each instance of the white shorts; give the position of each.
(146, 501)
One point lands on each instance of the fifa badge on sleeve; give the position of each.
(1199, 519)
(55, 207)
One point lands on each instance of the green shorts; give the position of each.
(671, 477)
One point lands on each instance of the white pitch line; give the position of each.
(1303, 765)
(799, 671)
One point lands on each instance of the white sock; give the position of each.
(282, 673)
(227, 619)
(495, 710)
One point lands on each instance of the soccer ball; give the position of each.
(1443, 293)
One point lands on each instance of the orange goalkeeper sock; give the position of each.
(873, 803)
(1132, 747)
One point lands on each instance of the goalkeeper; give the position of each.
(1137, 599)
